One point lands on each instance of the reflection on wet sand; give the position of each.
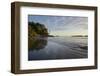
(47, 48)
(37, 43)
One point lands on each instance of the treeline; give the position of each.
(80, 36)
(36, 29)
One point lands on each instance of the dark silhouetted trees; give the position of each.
(37, 29)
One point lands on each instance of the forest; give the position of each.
(37, 30)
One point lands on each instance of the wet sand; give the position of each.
(61, 48)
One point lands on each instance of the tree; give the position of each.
(36, 29)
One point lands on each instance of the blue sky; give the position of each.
(62, 25)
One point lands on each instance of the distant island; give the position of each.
(79, 36)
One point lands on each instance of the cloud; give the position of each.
(62, 23)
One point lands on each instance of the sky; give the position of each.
(62, 25)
